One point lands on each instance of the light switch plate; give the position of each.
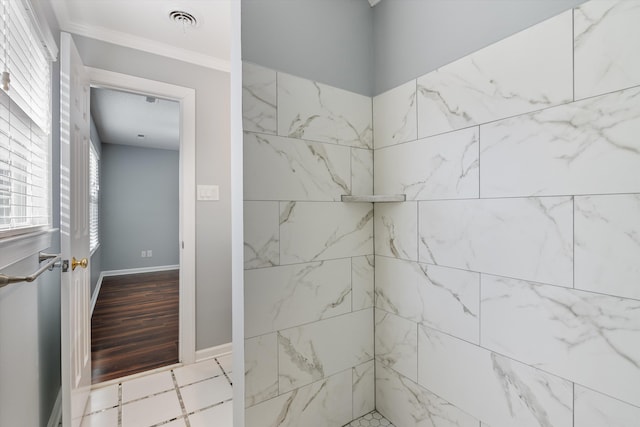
(208, 192)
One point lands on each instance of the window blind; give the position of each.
(25, 122)
(94, 194)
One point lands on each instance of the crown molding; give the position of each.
(135, 42)
(147, 45)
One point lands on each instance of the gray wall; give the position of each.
(445, 30)
(139, 207)
(213, 219)
(95, 264)
(348, 44)
(329, 41)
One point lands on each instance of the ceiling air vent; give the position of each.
(182, 18)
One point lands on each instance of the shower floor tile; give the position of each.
(372, 419)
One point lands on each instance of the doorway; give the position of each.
(153, 265)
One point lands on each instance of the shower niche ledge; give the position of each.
(379, 198)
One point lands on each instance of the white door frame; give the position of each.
(187, 190)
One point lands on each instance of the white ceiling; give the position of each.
(145, 25)
(121, 116)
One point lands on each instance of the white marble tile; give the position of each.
(261, 234)
(528, 71)
(394, 116)
(362, 277)
(218, 416)
(396, 230)
(607, 244)
(586, 147)
(607, 41)
(226, 362)
(443, 298)
(144, 386)
(593, 409)
(278, 168)
(206, 393)
(317, 231)
(527, 238)
(260, 369)
(204, 370)
(317, 112)
(317, 350)
(361, 171)
(281, 297)
(151, 410)
(396, 343)
(107, 418)
(102, 398)
(565, 332)
(364, 391)
(258, 99)
(405, 403)
(490, 387)
(439, 167)
(328, 400)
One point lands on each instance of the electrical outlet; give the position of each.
(149, 253)
(143, 254)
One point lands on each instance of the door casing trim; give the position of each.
(187, 190)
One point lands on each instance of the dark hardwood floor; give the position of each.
(134, 326)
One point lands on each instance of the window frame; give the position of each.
(19, 243)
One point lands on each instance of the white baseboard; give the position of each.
(103, 274)
(56, 413)
(96, 292)
(208, 353)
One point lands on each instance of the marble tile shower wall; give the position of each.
(507, 287)
(308, 256)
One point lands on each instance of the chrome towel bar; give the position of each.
(51, 259)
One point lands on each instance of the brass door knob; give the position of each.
(82, 263)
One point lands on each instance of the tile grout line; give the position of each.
(223, 371)
(182, 407)
(120, 405)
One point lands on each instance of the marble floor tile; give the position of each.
(206, 393)
(139, 387)
(151, 410)
(190, 374)
(218, 416)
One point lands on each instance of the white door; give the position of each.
(74, 232)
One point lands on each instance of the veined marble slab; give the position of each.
(593, 409)
(396, 343)
(320, 349)
(607, 41)
(362, 278)
(317, 112)
(496, 390)
(607, 244)
(405, 403)
(278, 168)
(258, 99)
(328, 400)
(282, 297)
(587, 147)
(260, 369)
(440, 167)
(361, 171)
(261, 234)
(396, 230)
(364, 391)
(442, 298)
(316, 231)
(588, 338)
(528, 71)
(394, 116)
(527, 238)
